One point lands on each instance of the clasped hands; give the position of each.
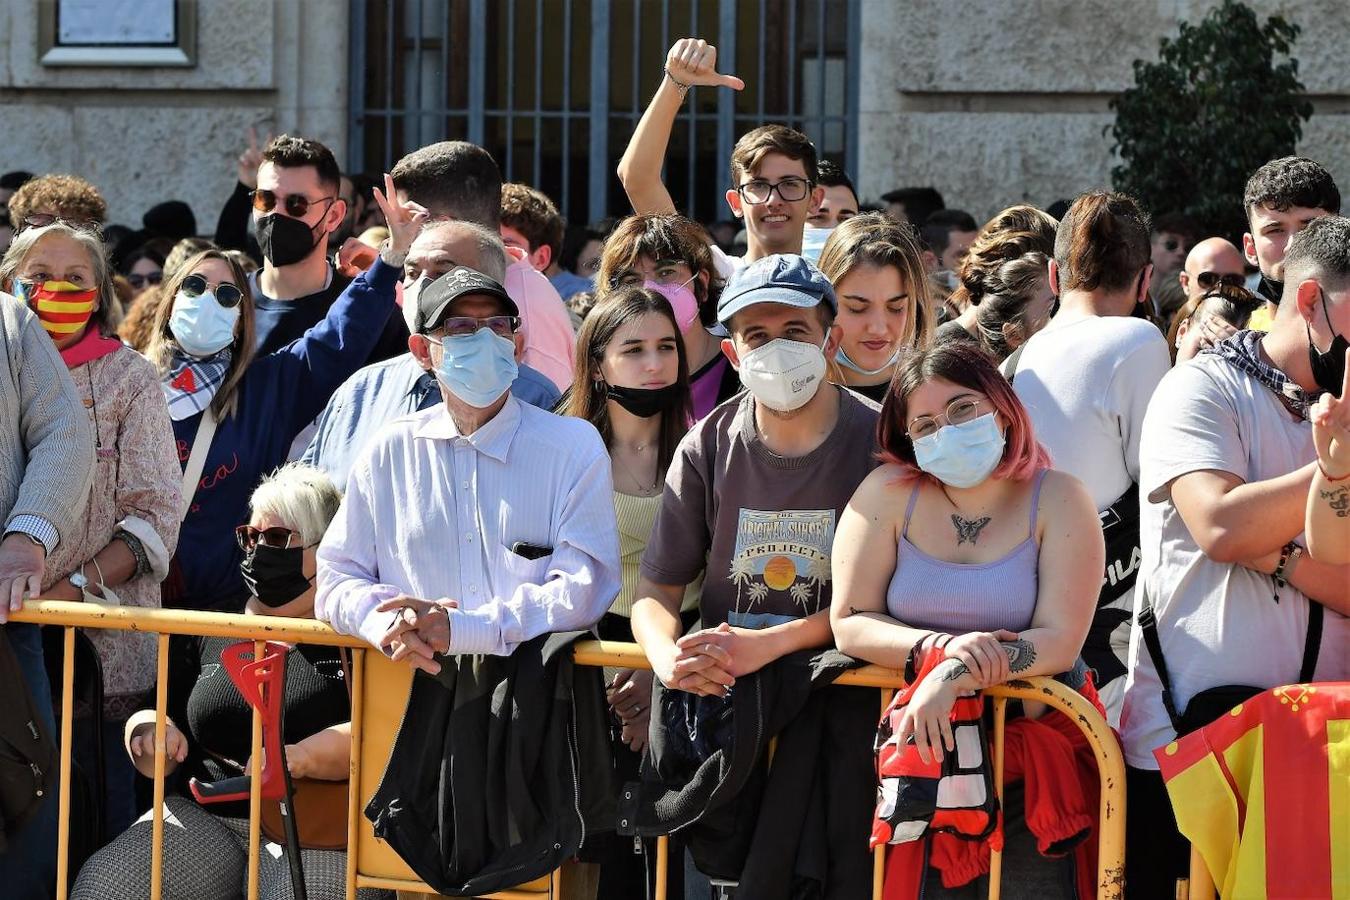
(420, 631)
(709, 661)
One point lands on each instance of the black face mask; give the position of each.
(643, 402)
(273, 575)
(1270, 289)
(1328, 368)
(285, 241)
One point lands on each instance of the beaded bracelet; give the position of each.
(684, 88)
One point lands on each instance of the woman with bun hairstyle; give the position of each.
(1012, 234)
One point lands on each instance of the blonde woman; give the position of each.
(885, 300)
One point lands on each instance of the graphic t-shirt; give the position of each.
(763, 524)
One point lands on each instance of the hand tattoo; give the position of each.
(968, 529)
(1338, 499)
(954, 671)
(1021, 654)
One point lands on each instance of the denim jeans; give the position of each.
(28, 867)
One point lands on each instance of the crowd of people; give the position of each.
(426, 411)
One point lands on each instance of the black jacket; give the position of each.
(500, 769)
(796, 829)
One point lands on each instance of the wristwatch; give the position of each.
(78, 580)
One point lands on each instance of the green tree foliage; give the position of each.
(1214, 107)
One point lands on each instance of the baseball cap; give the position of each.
(435, 298)
(781, 278)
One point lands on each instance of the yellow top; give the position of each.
(1263, 318)
(636, 517)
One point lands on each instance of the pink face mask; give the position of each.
(682, 300)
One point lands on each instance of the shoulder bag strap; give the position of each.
(1312, 644)
(201, 445)
(1148, 627)
(1014, 359)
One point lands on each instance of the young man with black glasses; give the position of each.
(774, 178)
(295, 208)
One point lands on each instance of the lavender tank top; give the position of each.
(962, 597)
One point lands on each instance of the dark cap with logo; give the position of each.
(434, 300)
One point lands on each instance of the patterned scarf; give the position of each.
(1243, 350)
(192, 383)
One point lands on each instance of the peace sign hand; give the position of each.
(1331, 429)
(694, 62)
(404, 220)
(251, 159)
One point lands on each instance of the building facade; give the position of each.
(991, 101)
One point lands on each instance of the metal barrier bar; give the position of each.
(70, 615)
(67, 748)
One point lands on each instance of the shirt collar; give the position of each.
(492, 439)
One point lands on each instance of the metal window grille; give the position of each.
(554, 88)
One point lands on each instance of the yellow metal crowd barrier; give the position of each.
(372, 864)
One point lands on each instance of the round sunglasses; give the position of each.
(227, 295)
(296, 205)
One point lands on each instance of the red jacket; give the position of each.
(1055, 762)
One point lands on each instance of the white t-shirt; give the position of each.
(1218, 623)
(725, 265)
(1086, 384)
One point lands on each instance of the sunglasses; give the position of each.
(42, 220)
(227, 295)
(296, 205)
(139, 281)
(1210, 280)
(249, 537)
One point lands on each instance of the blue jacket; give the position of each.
(279, 395)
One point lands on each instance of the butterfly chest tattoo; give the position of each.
(968, 530)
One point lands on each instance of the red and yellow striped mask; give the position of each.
(62, 308)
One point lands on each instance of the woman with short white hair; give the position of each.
(209, 727)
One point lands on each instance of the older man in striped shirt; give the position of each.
(477, 524)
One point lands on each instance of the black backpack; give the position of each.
(28, 755)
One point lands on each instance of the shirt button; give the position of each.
(469, 538)
(466, 485)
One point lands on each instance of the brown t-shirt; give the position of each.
(761, 524)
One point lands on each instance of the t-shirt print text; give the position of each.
(781, 565)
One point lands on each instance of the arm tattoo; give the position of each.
(1021, 654)
(968, 529)
(1338, 499)
(854, 611)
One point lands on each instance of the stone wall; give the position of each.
(996, 102)
(144, 135)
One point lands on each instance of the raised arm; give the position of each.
(330, 352)
(690, 62)
(1328, 513)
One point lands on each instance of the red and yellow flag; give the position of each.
(1263, 793)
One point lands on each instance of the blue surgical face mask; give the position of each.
(477, 368)
(842, 358)
(200, 325)
(962, 456)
